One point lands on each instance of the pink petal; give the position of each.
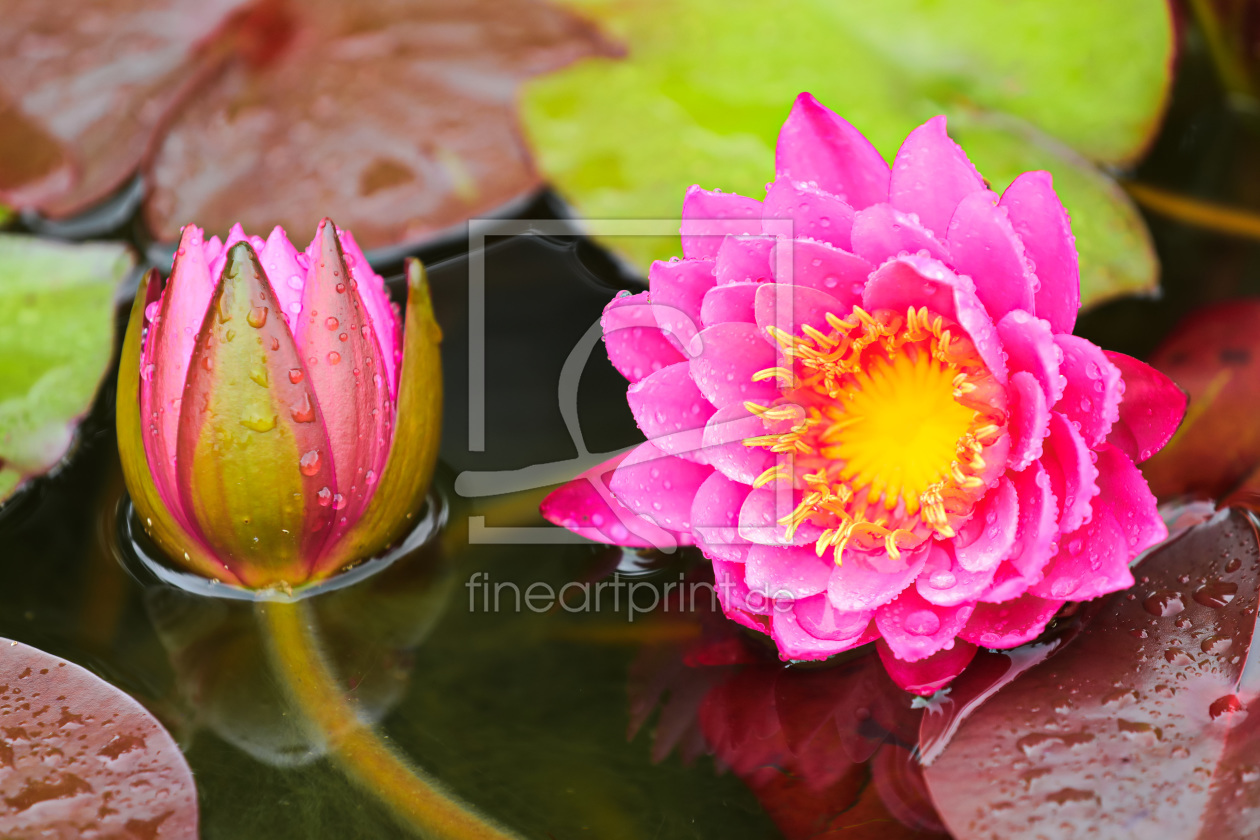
(671, 411)
(814, 214)
(659, 486)
(744, 259)
(164, 363)
(715, 519)
(724, 448)
(1029, 345)
(382, 314)
(987, 538)
(636, 346)
(1091, 399)
(676, 290)
(733, 302)
(795, 642)
(786, 572)
(280, 261)
(1092, 561)
(1073, 475)
(817, 145)
(1152, 408)
(914, 629)
(985, 247)
(792, 308)
(863, 582)
(588, 508)
(917, 281)
(738, 603)
(928, 675)
(1029, 419)
(724, 369)
(931, 175)
(709, 216)
(823, 267)
(1010, 624)
(765, 506)
(882, 231)
(1039, 219)
(1035, 536)
(1125, 493)
(235, 234)
(823, 621)
(946, 583)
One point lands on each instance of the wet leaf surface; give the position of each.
(1214, 355)
(79, 758)
(1136, 726)
(56, 344)
(707, 84)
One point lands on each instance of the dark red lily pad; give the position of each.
(81, 759)
(1142, 725)
(1215, 356)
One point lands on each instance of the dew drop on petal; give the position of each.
(334, 357)
(923, 623)
(309, 463)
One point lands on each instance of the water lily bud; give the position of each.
(275, 421)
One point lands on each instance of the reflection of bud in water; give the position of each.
(368, 629)
(275, 421)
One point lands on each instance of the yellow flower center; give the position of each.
(882, 428)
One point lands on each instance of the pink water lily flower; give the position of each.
(275, 421)
(864, 403)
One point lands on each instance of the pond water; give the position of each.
(558, 723)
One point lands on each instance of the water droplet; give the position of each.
(295, 282)
(295, 375)
(1225, 705)
(923, 623)
(332, 323)
(1164, 603)
(151, 311)
(309, 463)
(341, 288)
(259, 422)
(1216, 644)
(370, 478)
(334, 357)
(303, 412)
(324, 497)
(344, 337)
(942, 580)
(257, 317)
(1216, 593)
(338, 501)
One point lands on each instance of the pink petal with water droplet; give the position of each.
(863, 582)
(1091, 399)
(676, 290)
(1073, 476)
(817, 145)
(946, 583)
(803, 262)
(931, 175)
(785, 573)
(882, 231)
(738, 603)
(732, 353)
(715, 519)
(1038, 218)
(1029, 345)
(732, 302)
(914, 628)
(1092, 561)
(765, 506)
(1125, 493)
(1028, 420)
(795, 642)
(984, 246)
(744, 259)
(1035, 536)
(164, 362)
(817, 617)
(588, 508)
(381, 312)
(671, 411)
(917, 281)
(792, 308)
(1150, 412)
(235, 234)
(659, 486)
(986, 539)
(813, 214)
(635, 344)
(709, 216)
(724, 448)
(1010, 624)
(928, 675)
(286, 275)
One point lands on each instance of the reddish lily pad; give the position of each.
(1136, 727)
(1215, 356)
(79, 758)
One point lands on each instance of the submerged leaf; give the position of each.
(1139, 726)
(707, 84)
(56, 340)
(82, 759)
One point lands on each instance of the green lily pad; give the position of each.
(705, 85)
(56, 343)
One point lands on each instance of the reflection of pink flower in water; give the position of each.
(865, 405)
